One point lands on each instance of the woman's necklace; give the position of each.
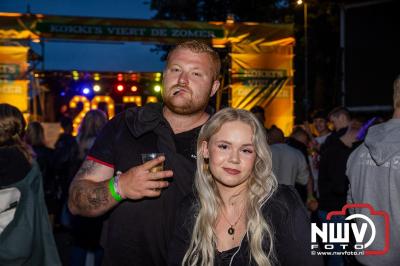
(231, 229)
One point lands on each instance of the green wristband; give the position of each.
(114, 193)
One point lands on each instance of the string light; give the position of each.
(96, 88)
(157, 88)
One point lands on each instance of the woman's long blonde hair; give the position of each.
(261, 186)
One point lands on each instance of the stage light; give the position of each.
(120, 88)
(134, 77)
(120, 77)
(75, 75)
(157, 76)
(96, 76)
(96, 88)
(157, 88)
(134, 88)
(62, 93)
(86, 90)
(104, 99)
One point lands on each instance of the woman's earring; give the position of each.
(205, 165)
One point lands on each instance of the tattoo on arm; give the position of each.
(88, 197)
(86, 168)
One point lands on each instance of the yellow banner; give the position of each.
(13, 82)
(262, 75)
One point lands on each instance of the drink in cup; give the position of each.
(151, 156)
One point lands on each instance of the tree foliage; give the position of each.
(323, 36)
(218, 10)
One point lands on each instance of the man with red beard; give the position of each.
(139, 205)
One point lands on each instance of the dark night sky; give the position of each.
(372, 53)
(58, 55)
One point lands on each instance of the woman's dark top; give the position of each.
(13, 165)
(284, 212)
(224, 258)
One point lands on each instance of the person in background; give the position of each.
(89, 128)
(239, 215)
(26, 237)
(44, 156)
(259, 112)
(86, 231)
(299, 139)
(288, 164)
(340, 117)
(321, 125)
(333, 183)
(66, 162)
(373, 171)
(16, 156)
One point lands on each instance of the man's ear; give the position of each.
(204, 150)
(215, 87)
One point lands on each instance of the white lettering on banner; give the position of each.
(260, 73)
(126, 31)
(192, 33)
(159, 32)
(76, 29)
(10, 89)
(8, 68)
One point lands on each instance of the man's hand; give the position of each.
(139, 181)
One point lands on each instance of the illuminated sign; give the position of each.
(128, 31)
(94, 104)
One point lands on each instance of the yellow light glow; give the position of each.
(152, 99)
(299, 2)
(110, 104)
(230, 19)
(132, 99)
(86, 107)
(96, 88)
(96, 76)
(157, 88)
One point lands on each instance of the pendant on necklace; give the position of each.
(231, 230)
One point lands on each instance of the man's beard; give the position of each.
(187, 108)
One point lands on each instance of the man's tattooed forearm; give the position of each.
(98, 197)
(90, 198)
(86, 168)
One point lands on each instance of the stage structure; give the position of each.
(259, 69)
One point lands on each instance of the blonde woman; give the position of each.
(239, 215)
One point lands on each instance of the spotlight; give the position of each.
(120, 88)
(96, 88)
(157, 88)
(86, 90)
(134, 88)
